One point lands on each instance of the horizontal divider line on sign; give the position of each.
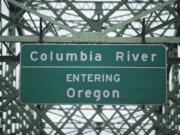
(90, 67)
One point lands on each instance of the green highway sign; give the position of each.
(93, 74)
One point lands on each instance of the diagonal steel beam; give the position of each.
(106, 121)
(132, 127)
(48, 120)
(4, 28)
(163, 25)
(10, 97)
(12, 21)
(124, 119)
(68, 116)
(169, 22)
(170, 9)
(58, 17)
(88, 122)
(138, 16)
(46, 18)
(120, 33)
(89, 22)
(106, 17)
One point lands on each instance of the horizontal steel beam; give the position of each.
(91, 39)
(9, 58)
(174, 60)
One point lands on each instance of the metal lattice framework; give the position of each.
(83, 21)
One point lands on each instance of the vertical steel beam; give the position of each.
(1, 93)
(143, 31)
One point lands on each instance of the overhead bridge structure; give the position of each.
(87, 22)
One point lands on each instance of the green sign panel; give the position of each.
(93, 74)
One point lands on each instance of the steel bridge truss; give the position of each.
(83, 21)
